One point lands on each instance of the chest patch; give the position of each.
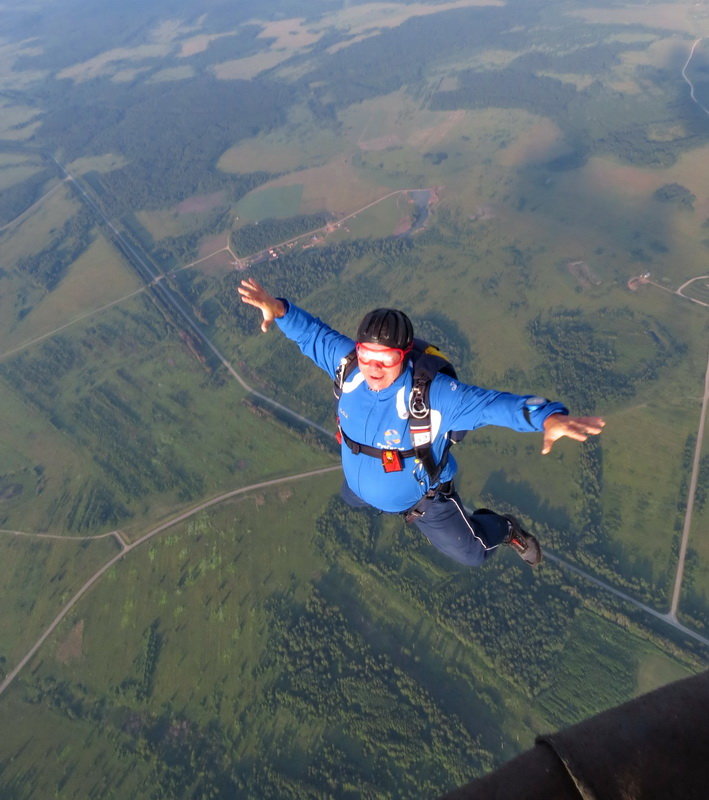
(392, 437)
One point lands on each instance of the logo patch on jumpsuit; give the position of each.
(392, 437)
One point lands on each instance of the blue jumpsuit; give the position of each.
(380, 419)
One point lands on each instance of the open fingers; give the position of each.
(252, 293)
(249, 288)
(591, 425)
(576, 428)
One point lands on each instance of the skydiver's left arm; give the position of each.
(557, 426)
(468, 407)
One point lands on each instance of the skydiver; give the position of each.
(376, 418)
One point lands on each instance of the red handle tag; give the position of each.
(391, 461)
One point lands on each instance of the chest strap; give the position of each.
(375, 452)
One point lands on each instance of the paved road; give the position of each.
(691, 494)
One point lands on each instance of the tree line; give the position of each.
(258, 236)
(47, 267)
(20, 196)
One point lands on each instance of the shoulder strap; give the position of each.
(343, 371)
(427, 361)
(427, 365)
(425, 369)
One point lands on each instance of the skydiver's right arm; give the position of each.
(255, 295)
(315, 339)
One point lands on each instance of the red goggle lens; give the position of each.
(391, 357)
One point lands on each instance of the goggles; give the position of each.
(391, 357)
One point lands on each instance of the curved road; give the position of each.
(690, 84)
(670, 619)
(128, 547)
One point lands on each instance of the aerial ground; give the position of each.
(189, 610)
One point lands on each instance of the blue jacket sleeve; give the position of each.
(465, 407)
(315, 339)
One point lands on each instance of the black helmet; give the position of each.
(387, 326)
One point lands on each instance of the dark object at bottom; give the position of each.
(655, 747)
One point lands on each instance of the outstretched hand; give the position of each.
(255, 295)
(580, 428)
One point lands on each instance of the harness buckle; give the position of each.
(417, 406)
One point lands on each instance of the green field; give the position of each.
(97, 278)
(273, 640)
(50, 571)
(144, 440)
(272, 202)
(275, 644)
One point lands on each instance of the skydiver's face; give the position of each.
(380, 365)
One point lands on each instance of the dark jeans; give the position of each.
(466, 538)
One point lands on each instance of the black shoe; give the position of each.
(524, 544)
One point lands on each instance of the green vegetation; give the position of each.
(592, 365)
(252, 238)
(676, 193)
(41, 575)
(357, 646)
(19, 197)
(164, 428)
(160, 121)
(280, 645)
(515, 87)
(271, 202)
(49, 266)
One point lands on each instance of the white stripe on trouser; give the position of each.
(469, 524)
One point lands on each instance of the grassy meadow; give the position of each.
(213, 581)
(42, 575)
(96, 279)
(124, 397)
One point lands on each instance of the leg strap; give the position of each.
(419, 509)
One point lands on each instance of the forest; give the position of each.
(582, 359)
(623, 132)
(676, 193)
(269, 232)
(302, 271)
(172, 137)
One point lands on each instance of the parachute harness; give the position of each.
(428, 361)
